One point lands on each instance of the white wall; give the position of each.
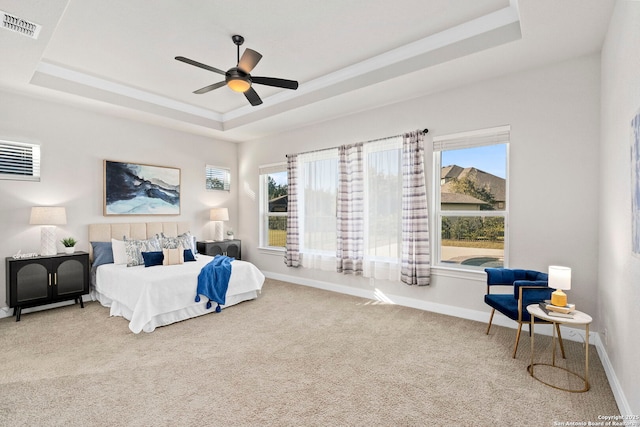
(554, 117)
(619, 290)
(74, 144)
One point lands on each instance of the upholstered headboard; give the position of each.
(134, 230)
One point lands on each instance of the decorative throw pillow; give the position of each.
(102, 253)
(168, 242)
(134, 249)
(188, 255)
(173, 256)
(152, 258)
(186, 240)
(119, 252)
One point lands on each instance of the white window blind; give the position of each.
(19, 161)
(218, 178)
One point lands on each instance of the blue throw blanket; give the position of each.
(213, 280)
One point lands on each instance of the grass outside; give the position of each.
(278, 238)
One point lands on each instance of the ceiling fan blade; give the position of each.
(249, 60)
(199, 64)
(210, 88)
(253, 97)
(272, 81)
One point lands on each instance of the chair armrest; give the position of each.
(531, 288)
(531, 292)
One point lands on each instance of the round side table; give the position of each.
(579, 318)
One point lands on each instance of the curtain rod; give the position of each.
(424, 131)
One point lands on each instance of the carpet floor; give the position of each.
(296, 356)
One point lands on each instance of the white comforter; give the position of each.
(159, 295)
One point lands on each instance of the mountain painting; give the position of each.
(137, 189)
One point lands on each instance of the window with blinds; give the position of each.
(218, 178)
(19, 161)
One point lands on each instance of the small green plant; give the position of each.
(69, 242)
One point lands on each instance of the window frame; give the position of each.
(7, 163)
(472, 139)
(263, 172)
(212, 172)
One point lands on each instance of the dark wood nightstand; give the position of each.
(230, 248)
(46, 279)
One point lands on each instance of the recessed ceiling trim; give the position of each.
(493, 29)
(120, 89)
(502, 18)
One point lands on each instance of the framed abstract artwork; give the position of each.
(635, 183)
(139, 189)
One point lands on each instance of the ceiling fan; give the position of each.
(238, 78)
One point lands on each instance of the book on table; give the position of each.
(569, 308)
(543, 307)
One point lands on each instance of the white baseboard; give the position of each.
(571, 334)
(8, 312)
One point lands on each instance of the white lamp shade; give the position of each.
(219, 214)
(559, 277)
(48, 215)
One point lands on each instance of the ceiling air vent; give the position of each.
(19, 25)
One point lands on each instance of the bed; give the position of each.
(150, 297)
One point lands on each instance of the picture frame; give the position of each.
(140, 189)
(217, 178)
(635, 183)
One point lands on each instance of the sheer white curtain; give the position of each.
(383, 216)
(318, 184)
(350, 212)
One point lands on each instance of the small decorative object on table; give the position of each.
(560, 280)
(69, 245)
(229, 234)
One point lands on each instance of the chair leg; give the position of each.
(560, 340)
(515, 347)
(493, 311)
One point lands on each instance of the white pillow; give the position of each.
(119, 251)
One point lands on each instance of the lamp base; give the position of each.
(558, 298)
(218, 228)
(48, 240)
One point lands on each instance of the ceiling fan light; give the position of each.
(239, 85)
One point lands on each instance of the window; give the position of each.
(383, 199)
(317, 202)
(471, 198)
(381, 174)
(218, 178)
(19, 161)
(273, 203)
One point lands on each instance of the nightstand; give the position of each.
(230, 248)
(579, 318)
(46, 279)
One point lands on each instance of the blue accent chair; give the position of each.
(527, 287)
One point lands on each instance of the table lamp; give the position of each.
(218, 215)
(48, 217)
(560, 280)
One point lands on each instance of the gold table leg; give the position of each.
(585, 379)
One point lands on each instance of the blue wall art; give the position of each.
(138, 189)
